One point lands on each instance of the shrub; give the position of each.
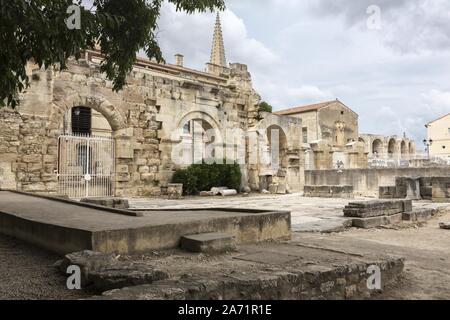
(203, 177)
(264, 106)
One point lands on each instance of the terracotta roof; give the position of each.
(448, 114)
(301, 109)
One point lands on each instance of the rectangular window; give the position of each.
(305, 135)
(81, 120)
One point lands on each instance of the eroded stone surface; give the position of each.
(444, 225)
(104, 271)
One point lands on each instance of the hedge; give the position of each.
(203, 177)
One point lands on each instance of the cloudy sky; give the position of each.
(392, 68)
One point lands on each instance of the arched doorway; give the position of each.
(412, 148)
(392, 148)
(404, 149)
(377, 148)
(277, 143)
(199, 139)
(86, 155)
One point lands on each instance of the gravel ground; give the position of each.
(26, 273)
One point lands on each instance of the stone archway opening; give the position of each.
(392, 148)
(411, 148)
(377, 148)
(199, 138)
(404, 150)
(277, 143)
(86, 155)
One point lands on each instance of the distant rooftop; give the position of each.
(305, 108)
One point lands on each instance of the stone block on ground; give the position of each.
(216, 190)
(386, 192)
(228, 192)
(206, 194)
(102, 271)
(419, 215)
(273, 188)
(407, 206)
(376, 208)
(208, 243)
(175, 190)
(343, 191)
(88, 261)
(120, 275)
(444, 225)
(374, 222)
(281, 189)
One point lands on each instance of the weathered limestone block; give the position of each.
(377, 208)
(273, 188)
(208, 243)
(444, 225)
(345, 192)
(104, 272)
(32, 158)
(419, 215)
(216, 190)
(441, 189)
(374, 222)
(175, 190)
(228, 192)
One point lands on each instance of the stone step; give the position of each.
(208, 242)
(419, 215)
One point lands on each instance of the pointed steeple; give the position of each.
(218, 48)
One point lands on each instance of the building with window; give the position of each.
(439, 136)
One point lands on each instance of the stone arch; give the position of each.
(98, 103)
(377, 148)
(193, 115)
(392, 148)
(412, 148)
(404, 149)
(284, 125)
(201, 135)
(365, 143)
(281, 157)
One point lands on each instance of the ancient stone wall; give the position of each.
(157, 101)
(366, 182)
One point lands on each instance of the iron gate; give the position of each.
(86, 166)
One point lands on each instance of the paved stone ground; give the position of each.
(26, 272)
(424, 246)
(308, 214)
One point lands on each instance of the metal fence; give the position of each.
(86, 166)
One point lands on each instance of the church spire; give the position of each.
(218, 48)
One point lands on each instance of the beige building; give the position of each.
(330, 121)
(331, 138)
(439, 134)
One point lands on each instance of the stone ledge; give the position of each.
(374, 222)
(342, 282)
(208, 243)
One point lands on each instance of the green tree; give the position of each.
(264, 106)
(37, 30)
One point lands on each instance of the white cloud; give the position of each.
(301, 52)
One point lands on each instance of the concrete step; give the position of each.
(208, 242)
